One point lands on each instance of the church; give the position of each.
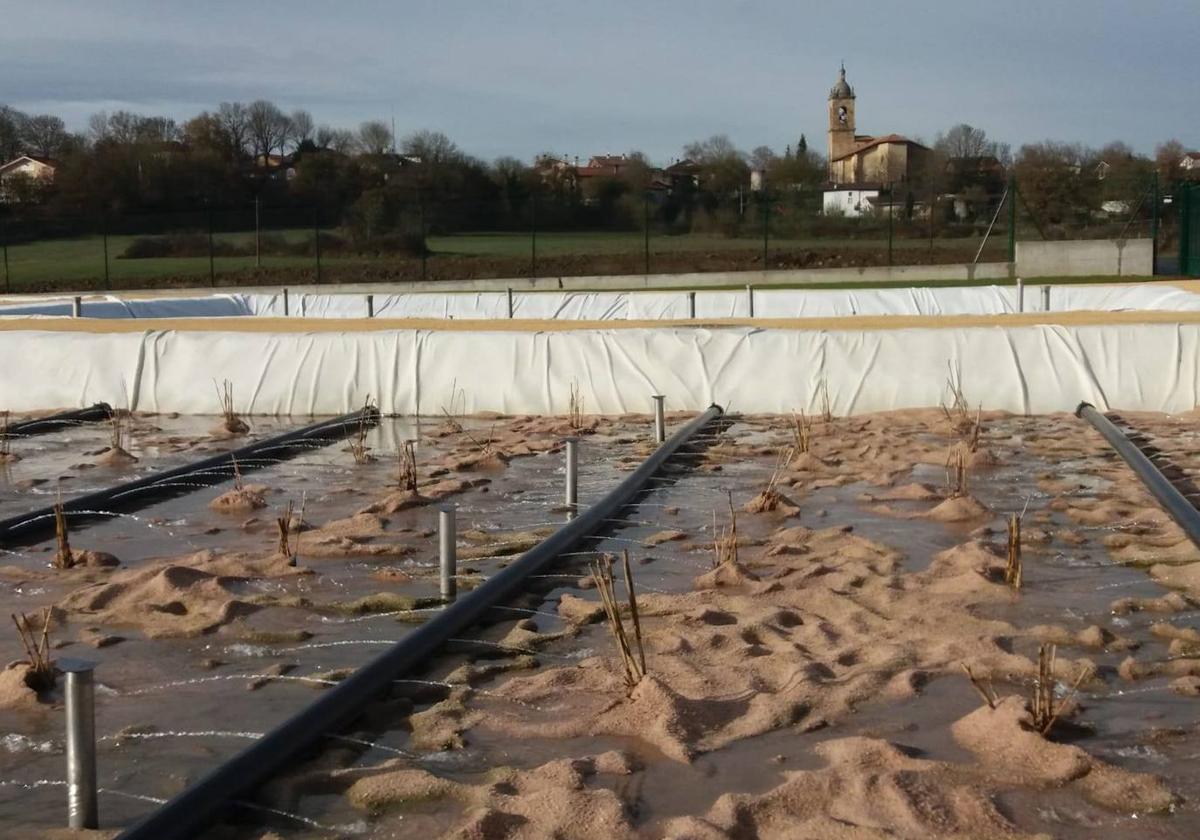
(859, 164)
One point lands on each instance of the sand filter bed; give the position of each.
(912, 624)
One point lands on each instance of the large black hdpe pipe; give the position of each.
(62, 420)
(188, 812)
(31, 527)
(1168, 495)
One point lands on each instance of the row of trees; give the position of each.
(376, 184)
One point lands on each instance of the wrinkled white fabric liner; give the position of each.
(1032, 369)
(635, 305)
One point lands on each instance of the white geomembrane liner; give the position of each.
(1028, 369)
(630, 305)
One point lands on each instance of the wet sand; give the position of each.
(813, 687)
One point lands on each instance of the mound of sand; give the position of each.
(241, 499)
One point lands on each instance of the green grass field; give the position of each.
(68, 261)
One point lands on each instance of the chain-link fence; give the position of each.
(407, 235)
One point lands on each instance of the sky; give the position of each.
(521, 77)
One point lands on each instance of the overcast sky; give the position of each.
(518, 77)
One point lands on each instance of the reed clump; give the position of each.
(725, 540)
(770, 498)
(284, 524)
(406, 476)
(41, 675)
(634, 666)
(358, 445)
(1013, 573)
(5, 439)
(64, 558)
(823, 392)
(802, 433)
(575, 406)
(956, 471)
(452, 425)
(230, 420)
(1043, 707)
(958, 413)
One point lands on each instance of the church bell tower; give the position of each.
(841, 118)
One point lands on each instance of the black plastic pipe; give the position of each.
(1168, 495)
(62, 420)
(31, 527)
(188, 812)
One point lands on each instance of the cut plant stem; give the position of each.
(802, 432)
(41, 675)
(1044, 710)
(1012, 569)
(985, 690)
(285, 530)
(634, 668)
(956, 471)
(407, 472)
(358, 446)
(575, 406)
(233, 424)
(64, 558)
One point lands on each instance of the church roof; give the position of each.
(880, 141)
(842, 89)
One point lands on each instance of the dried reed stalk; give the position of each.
(406, 476)
(725, 541)
(634, 668)
(956, 471)
(285, 530)
(5, 440)
(958, 414)
(802, 432)
(237, 474)
(117, 430)
(233, 423)
(358, 446)
(451, 423)
(41, 675)
(1043, 708)
(64, 558)
(1012, 569)
(826, 411)
(986, 691)
(575, 407)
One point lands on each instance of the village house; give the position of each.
(24, 175)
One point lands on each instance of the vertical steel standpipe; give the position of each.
(510, 303)
(750, 299)
(692, 305)
(1045, 298)
(370, 306)
(77, 307)
(1020, 295)
(572, 491)
(285, 303)
(81, 743)
(660, 420)
(448, 550)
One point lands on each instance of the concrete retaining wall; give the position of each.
(1086, 258)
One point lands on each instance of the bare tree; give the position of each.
(964, 141)
(302, 127)
(375, 137)
(234, 121)
(267, 127)
(432, 147)
(335, 139)
(44, 135)
(12, 130)
(1168, 157)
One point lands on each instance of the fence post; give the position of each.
(81, 743)
(212, 268)
(424, 235)
(572, 476)
(891, 218)
(533, 235)
(510, 302)
(646, 227)
(317, 239)
(766, 215)
(77, 307)
(1154, 227)
(370, 306)
(660, 420)
(257, 232)
(448, 551)
(4, 247)
(104, 238)
(750, 299)
(691, 298)
(1012, 219)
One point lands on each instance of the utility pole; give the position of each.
(891, 218)
(212, 269)
(646, 227)
(317, 239)
(1012, 218)
(1154, 226)
(257, 231)
(104, 238)
(4, 247)
(533, 235)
